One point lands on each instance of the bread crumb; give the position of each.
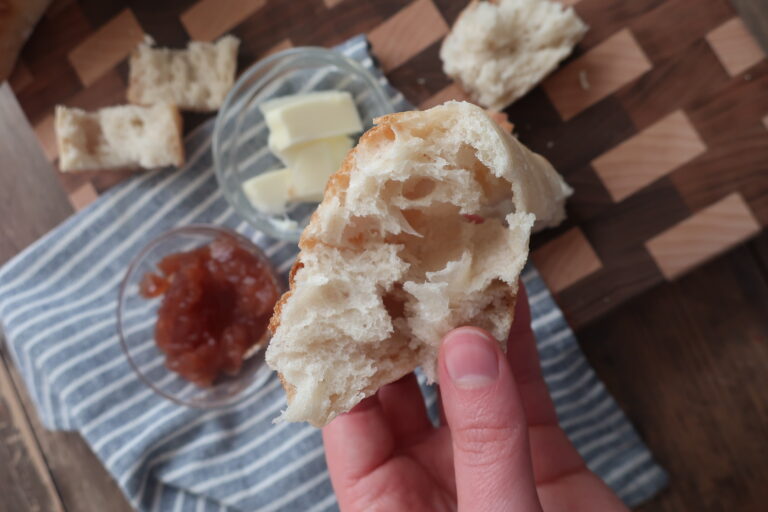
(583, 81)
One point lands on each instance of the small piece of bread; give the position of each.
(499, 50)
(197, 78)
(424, 228)
(123, 137)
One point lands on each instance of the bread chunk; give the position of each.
(424, 228)
(197, 78)
(499, 50)
(123, 137)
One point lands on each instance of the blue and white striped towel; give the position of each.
(57, 306)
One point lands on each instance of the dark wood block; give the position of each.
(668, 86)
(736, 107)
(257, 37)
(686, 362)
(161, 20)
(575, 143)
(669, 28)
(590, 197)
(333, 26)
(740, 163)
(627, 274)
(636, 219)
(450, 9)
(99, 12)
(420, 77)
(55, 36)
(605, 17)
(46, 91)
(534, 118)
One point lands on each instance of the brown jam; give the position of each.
(217, 301)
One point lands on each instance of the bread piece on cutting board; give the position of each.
(17, 20)
(121, 137)
(197, 78)
(499, 50)
(424, 228)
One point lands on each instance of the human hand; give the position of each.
(499, 446)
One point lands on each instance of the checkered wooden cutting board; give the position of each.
(659, 119)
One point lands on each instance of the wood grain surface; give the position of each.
(686, 358)
(649, 114)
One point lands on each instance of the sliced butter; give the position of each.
(312, 163)
(303, 117)
(268, 192)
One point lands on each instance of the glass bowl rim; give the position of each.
(323, 55)
(204, 229)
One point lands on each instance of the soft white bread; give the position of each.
(126, 136)
(397, 254)
(499, 50)
(197, 78)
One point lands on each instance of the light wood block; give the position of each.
(566, 260)
(451, 92)
(209, 19)
(407, 33)
(734, 46)
(282, 45)
(47, 137)
(703, 236)
(649, 155)
(607, 67)
(84, 195)
(106, 47)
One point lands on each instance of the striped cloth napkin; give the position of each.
(57, 306)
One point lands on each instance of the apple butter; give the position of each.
(217, 301)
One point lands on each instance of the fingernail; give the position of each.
(470, 358)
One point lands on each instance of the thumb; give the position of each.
(492, 458)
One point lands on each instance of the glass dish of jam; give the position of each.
(193, 312)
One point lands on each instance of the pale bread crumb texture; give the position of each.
(197, 78)
(122, 137)
(394, 257)
(498, 51)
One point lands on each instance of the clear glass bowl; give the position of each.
(240, 148)
(136, 318)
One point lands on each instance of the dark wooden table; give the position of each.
(686, 356)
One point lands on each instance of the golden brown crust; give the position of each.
(179, 122)
(290, 389)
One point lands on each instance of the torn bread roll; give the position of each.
(424, 228)
(196, 79)
(499, 50)
(122, 137)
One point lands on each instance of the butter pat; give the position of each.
(268, 192)
(311, 164)
(303, 117)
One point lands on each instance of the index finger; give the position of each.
(523, 357)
